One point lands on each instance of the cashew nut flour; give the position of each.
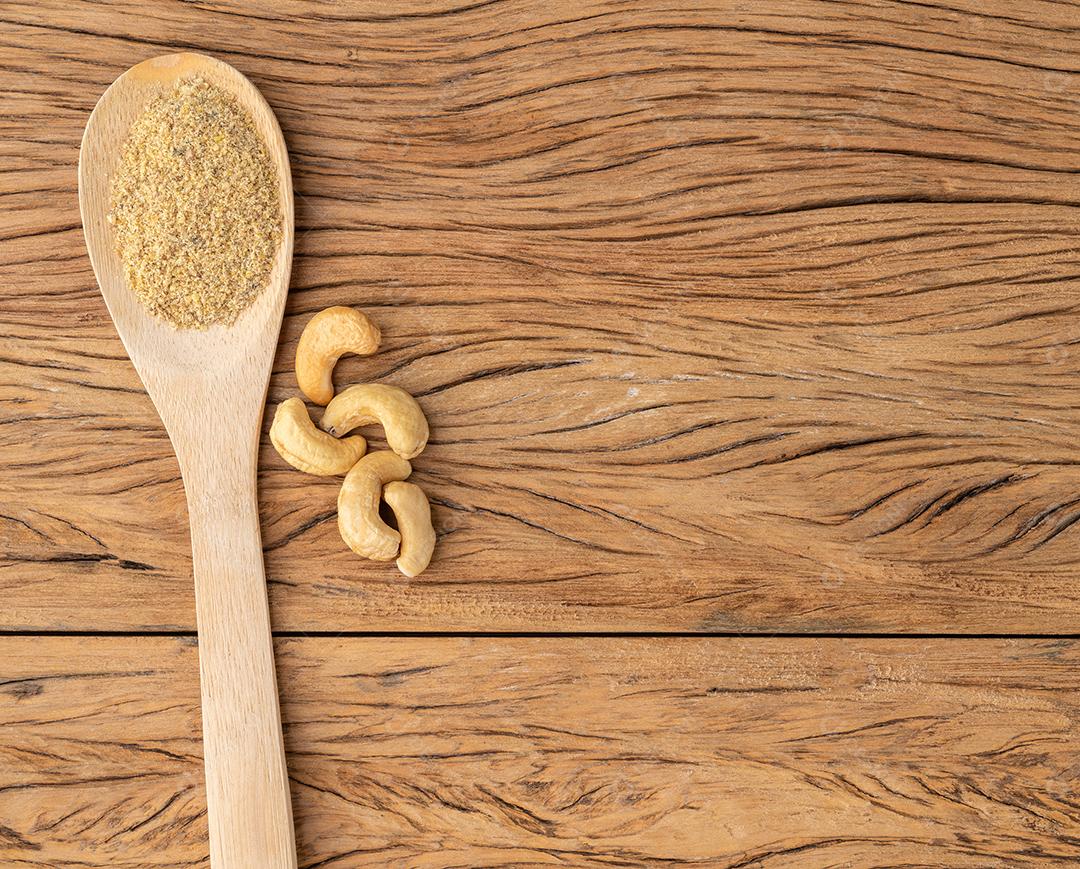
(195, 206)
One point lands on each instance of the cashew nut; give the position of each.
(307, 449)
(327, 337)
(413, 514)
(394, 409)
(358, 505)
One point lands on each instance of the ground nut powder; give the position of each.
(195, 207)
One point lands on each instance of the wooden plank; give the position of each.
(448, 752)
(724, 318)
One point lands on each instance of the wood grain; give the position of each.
(741, 317)
(450, 752)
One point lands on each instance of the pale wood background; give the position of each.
(727, 318)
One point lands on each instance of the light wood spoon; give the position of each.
(210, 388)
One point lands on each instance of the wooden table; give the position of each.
(749, 338)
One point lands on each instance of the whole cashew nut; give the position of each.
(327, 337)
(394, 409)
(413, 514)
(358, 505)
(308, 449)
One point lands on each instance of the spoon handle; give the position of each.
(247, 791)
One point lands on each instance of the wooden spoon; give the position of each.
(210, 389)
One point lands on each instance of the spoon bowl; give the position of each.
(163, 355)
(209, 388)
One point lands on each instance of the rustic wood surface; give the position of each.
(747, 317)
(593, 752)
(727, 318)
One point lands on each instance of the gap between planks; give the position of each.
(551, 635)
